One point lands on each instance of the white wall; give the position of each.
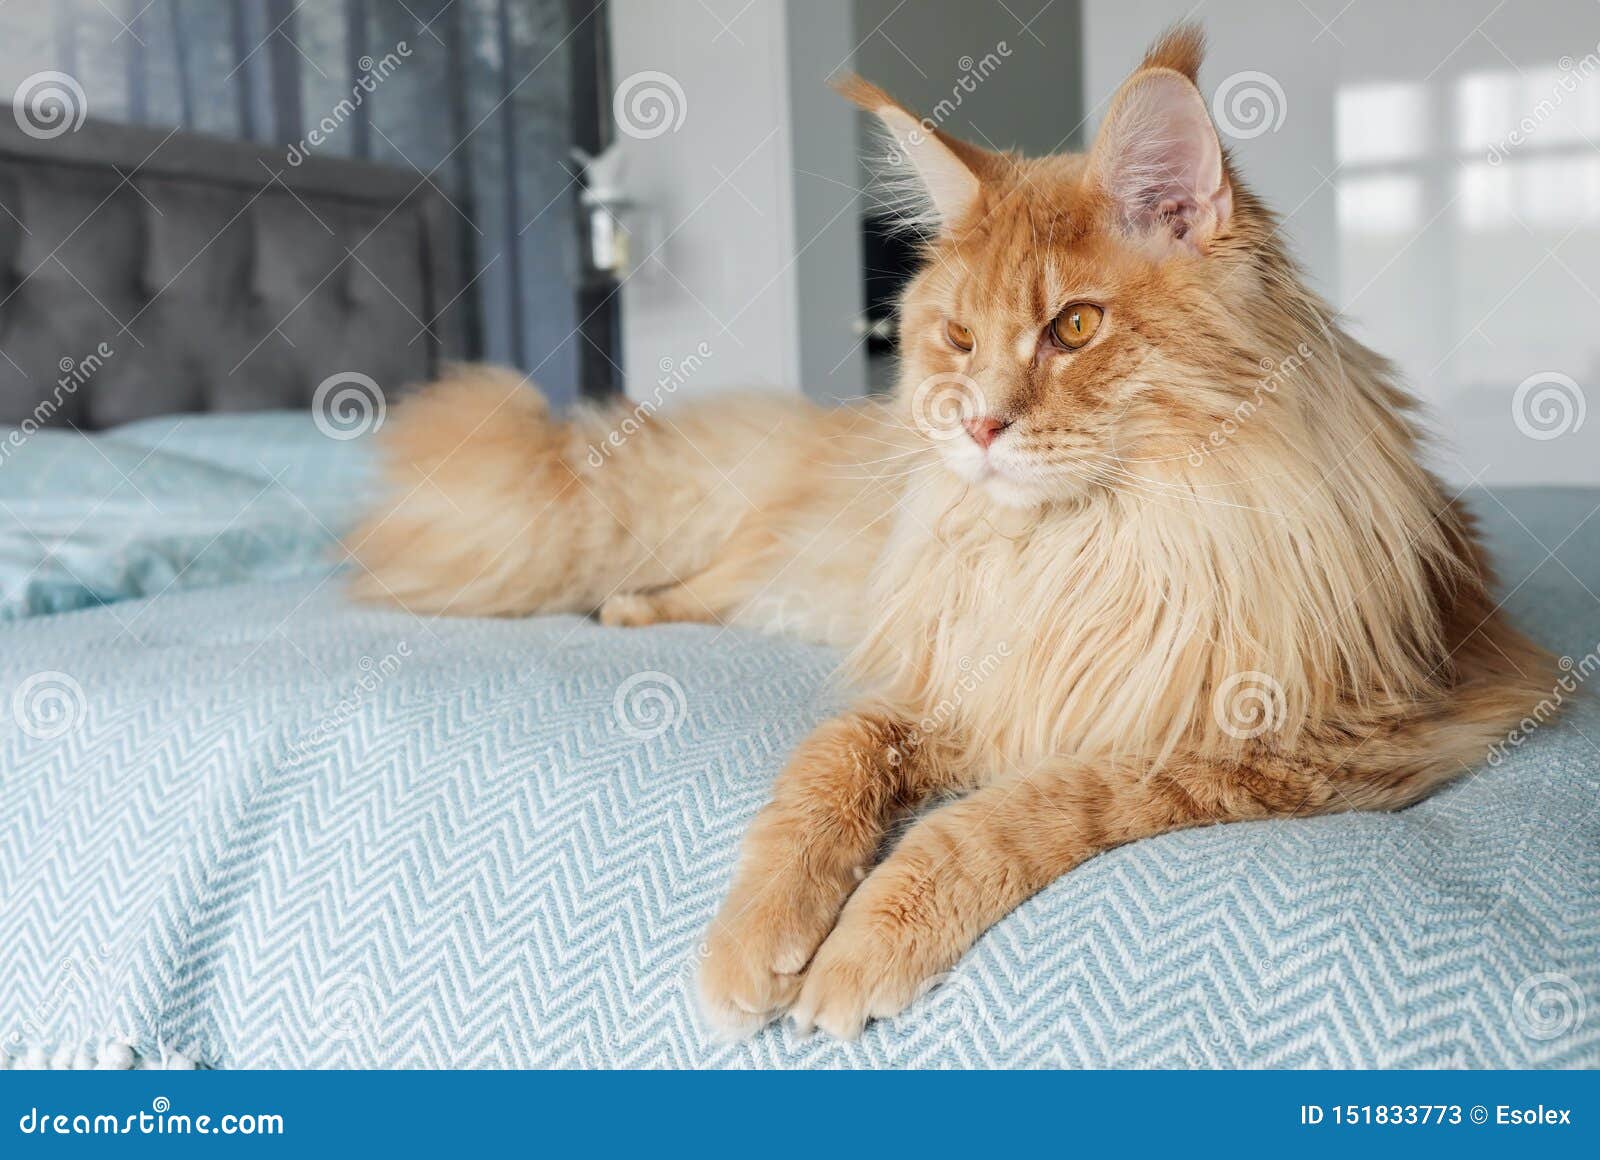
(751, 242)
(1472, 260)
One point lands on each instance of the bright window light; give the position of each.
(1487, 196)
(1503, 112)
(1381, 204)
(1387, 122)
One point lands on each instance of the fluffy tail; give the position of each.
(492, 508)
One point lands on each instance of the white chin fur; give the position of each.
(969, 464)
(1009, 493)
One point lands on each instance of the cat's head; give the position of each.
(1081, 313)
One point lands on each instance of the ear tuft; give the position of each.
(861, 92)
(1181, 48)
(925, 180)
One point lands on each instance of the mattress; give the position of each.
(244, 823)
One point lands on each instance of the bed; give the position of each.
(150, 272)
(245, 823)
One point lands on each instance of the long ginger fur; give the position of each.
(1200, 576)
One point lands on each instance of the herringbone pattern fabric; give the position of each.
(284, 831)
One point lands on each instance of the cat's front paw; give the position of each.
(867, 969)
(755, 951)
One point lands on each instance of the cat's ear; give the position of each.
(930, 180)
(1157, 155)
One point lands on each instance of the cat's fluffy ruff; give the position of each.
(1198, 577)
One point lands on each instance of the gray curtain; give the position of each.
(473, 95)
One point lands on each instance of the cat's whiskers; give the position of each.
(1109, 475)
(905, 473)
(889, 458)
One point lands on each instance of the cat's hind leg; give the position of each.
(678, 602)
(711, 596)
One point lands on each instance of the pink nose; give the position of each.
(984, 429)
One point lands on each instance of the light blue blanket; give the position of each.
(167, 504)
(253, 825)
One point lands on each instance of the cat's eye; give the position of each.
(960, 337)
(1076, 325)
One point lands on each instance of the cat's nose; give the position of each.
(984, 429)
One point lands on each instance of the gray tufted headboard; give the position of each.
(219, 277)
